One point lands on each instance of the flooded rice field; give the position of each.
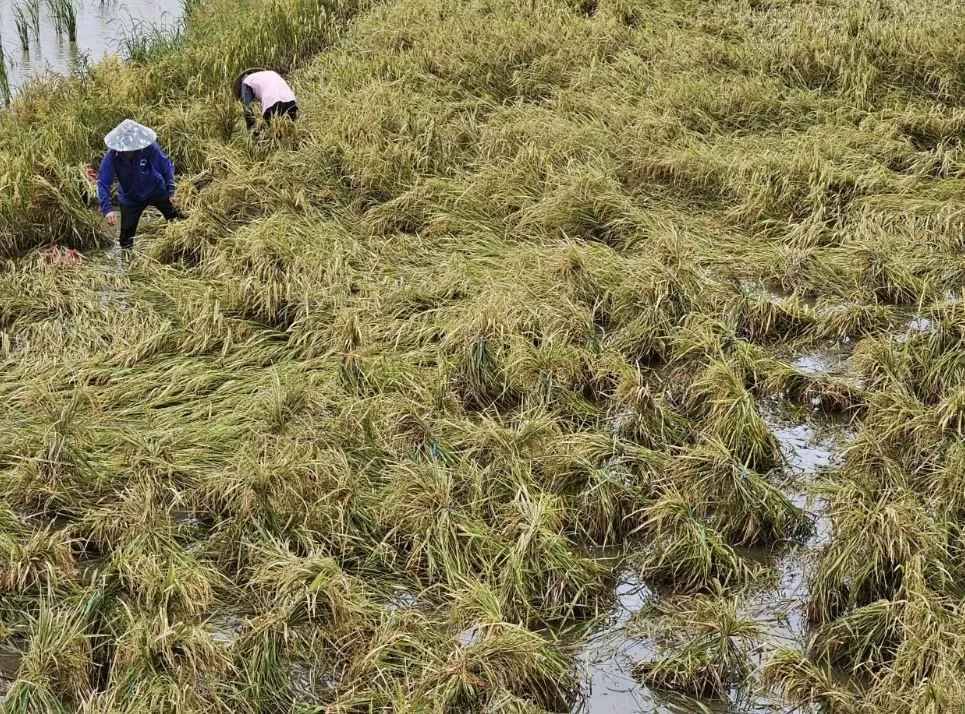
(810, 444)
(35, 37)
(615, 374)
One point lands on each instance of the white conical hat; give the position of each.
(129, 136)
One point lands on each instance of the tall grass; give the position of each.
(33, 10)
(145, 43)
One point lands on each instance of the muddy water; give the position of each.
(101, 26)
(811, 443)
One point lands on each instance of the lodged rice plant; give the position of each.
(528, 290)
(708, 646)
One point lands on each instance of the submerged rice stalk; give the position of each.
(64, 14)
(707, 644)
(21, 22)
(805, 683)
(145, 42)
(5, 93)
(33, 10)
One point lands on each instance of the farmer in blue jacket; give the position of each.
(144, 175)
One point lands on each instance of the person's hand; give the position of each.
(111, 218)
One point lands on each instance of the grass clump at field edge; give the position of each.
(343, 438)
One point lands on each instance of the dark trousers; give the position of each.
(131, 216)
(287, 109)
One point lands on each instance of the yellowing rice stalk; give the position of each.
(508, 312)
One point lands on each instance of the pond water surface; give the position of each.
(102, 26)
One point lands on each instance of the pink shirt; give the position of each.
(269, 89)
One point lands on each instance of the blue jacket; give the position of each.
(147, 174)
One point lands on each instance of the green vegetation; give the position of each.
(64, 16)
(526, 279)
(22, 23)
(5, 93)
(33, 10)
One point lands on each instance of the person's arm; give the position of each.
(247, 97)
(105, 179)
(164, 167)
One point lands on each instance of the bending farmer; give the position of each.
(145, 177)
(269, 89)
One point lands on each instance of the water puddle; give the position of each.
(401, 599)
(810, 447)
(755, 287)
(10, 344)
(917, 324)
(608, 656)
(619, 419)
(809, 444)
(112, 263)
(88, 565)
(816, 363)
(184, 520)
(829, 383)
(920, 323)
(826, 360)
(225, 629)
(307, 681)
(470, 637)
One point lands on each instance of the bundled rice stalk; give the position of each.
(58, 656)
(480, 377)
(684, 553)
(40, 562)
(894, 282)
(759, 317)
(162, 663)
(708, 654)
(743, 505)
(644, 416)
(828, 393)
(803, 682)
(541, 576)
(719, 394)
(308, 590)
(161, 577)
(509, 660)
(877, 532)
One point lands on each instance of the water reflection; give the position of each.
(101, 27)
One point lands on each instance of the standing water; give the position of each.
(100, 27)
